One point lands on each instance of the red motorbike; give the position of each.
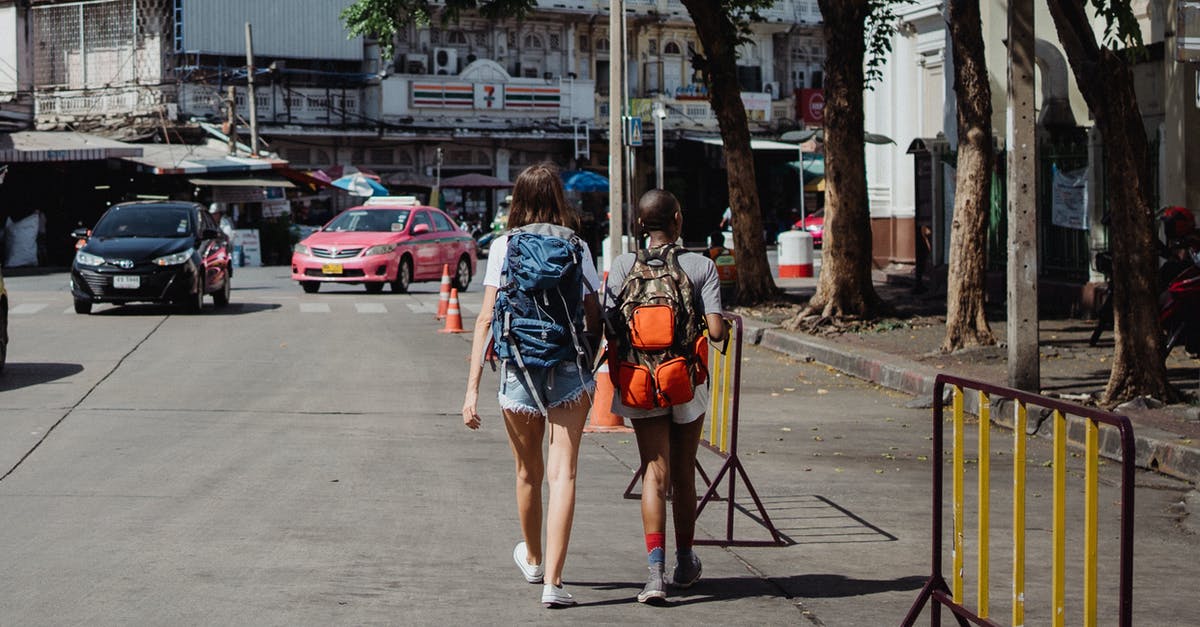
(1180, 311)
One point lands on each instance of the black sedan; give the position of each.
(158, 252)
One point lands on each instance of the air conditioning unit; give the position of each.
(445, 61)
(771, 87)
(416, 63)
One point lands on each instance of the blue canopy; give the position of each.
(584, 181)
(359, 184)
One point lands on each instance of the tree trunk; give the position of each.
(718, 37)
(844, 289)
(966, 322)
(1107, 85)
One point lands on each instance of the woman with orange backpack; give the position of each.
(659, 302)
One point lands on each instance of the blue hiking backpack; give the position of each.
(538, 320)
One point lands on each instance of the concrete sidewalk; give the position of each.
(903, 356)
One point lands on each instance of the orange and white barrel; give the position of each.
(795, 255)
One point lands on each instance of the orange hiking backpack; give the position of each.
(655, 333)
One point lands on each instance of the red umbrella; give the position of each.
(475, 181)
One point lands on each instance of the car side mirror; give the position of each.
(420, 229)
(80, 233)
(211, 234)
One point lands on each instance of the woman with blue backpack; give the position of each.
(660, 302)
(540, 318)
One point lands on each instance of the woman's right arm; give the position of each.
(483, 328)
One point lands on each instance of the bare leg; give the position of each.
(654, 446)
(566, 432)
(685, 440)
(525, 436)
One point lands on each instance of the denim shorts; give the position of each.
(559, 386)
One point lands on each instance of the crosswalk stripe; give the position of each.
(370, 308)
(314, 308)
(27, 308)
(422, 308)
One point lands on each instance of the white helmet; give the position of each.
(215, 208)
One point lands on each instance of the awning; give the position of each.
(265, 180)
(198, 159)
(43, 146)
(755, 144)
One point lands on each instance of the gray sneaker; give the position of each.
(656, 586)
(687, 571)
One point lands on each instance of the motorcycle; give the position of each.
(1180, 310)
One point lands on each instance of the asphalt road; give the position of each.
(299, 460)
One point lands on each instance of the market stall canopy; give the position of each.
(755, 144)
(43, 146)
(584, 181)
(166, 159)
(265, 179)
(475, 181)
(819, 134)
(359, 184)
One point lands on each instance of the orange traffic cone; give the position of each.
(453, 316)
(444, 294)
(601, 419)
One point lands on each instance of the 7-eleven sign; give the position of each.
(489, 96)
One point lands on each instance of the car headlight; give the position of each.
(175, 259)
(381, 249)
(88, 259)
(300, 249)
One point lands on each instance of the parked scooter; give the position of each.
(1179, 277)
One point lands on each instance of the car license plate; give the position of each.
(127, 281)
(331, 268)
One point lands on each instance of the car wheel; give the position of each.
(462, 274)
(403, 276)
(374, 287)
(221, 298)
(3, 336)
(83, 306)
(195, 303)
(310, 287)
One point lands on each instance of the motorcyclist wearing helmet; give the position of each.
(1182, 248)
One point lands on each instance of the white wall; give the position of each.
(9, 60)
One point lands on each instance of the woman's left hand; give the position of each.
(470, 417)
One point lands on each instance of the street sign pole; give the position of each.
(616, 174)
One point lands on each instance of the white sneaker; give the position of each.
(556, 596)
(533, 574)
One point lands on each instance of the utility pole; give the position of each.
(231, 118)
(616, 173)
(251, 102)
(1021, 145)
(660, 118)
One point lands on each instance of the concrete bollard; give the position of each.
(795, 255)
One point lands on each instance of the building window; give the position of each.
(652, 46)
(533, 42)
(382, 156)
(602, 44)
(296, 155)
(457, 38)
(555, 43)
(435, 36)
(406, 157)
(671, 47)
(585, 43)
(480, 39)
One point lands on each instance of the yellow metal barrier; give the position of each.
(951, 595)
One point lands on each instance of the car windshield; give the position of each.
(370, 220)
(144, 221)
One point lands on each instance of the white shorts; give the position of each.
(680, 414)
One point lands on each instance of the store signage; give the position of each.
(810, 106)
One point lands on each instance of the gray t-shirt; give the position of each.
(700, 269)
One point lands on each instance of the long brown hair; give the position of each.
(538, 197)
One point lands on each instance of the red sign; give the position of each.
(810, 106)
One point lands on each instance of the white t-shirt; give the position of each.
(499, 250)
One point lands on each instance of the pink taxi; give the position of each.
(390, 240)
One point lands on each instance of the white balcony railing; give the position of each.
(98, 103)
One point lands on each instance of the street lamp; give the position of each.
(660, 117)
(437, 181)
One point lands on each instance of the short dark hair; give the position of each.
(716, 239)
(657, 209)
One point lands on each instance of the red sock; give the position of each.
(655, 541)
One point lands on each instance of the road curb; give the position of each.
(1154, 449)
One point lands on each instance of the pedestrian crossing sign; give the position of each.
(633, 130)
